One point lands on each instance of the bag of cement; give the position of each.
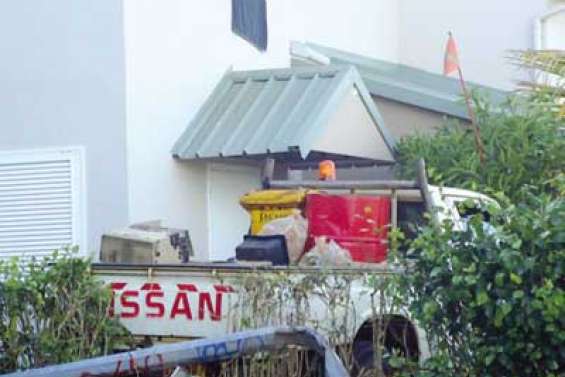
(294, 228)
(326, 253)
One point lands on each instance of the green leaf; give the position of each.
(430, 309)
(435, 272)
(489, 359)
(499, 279)
(501, 313)
(515, 278)
(482, 298)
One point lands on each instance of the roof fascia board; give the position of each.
(417, 98)
(374, 112)
(265, 74)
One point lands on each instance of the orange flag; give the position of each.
(451, 62)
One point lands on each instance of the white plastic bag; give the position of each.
(326, 253)
(294, 228)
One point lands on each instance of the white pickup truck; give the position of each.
(195, 300)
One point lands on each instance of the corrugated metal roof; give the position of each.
(271, 111)
(399, 82)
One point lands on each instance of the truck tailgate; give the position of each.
(189, 301)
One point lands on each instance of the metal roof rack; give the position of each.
(420, 183)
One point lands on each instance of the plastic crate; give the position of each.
(358, 223)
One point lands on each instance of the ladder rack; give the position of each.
(421, 183)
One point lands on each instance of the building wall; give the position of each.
(485, 31)
(176, 52)
(551, 29)
(62, 84)
(403, 120)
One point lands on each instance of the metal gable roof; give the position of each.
(399, 82)
(271, 111)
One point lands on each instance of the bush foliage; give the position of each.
(523, 143)
(493, 302)
(53, 311)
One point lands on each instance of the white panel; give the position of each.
(40, 201)
(229, 222)
(352, 132)
(554, 31)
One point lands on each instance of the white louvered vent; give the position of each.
(40, 202)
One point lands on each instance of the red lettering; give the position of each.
(160, 308)
(112, 306)
(159, 365)
(181, 306)
(151, 287)
(117, 372)
(224, 288)
(133, 305)
(204, 299)
(114, 287)
(187, 287)
(132, 364)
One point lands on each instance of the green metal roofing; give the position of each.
(399, 82)
(272, 111)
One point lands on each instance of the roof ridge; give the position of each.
(401, 82)
(270, 111)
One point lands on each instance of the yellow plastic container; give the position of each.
(267, 205)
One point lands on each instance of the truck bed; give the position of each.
(233, 267)
(195, 300)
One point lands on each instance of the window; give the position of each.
(41, 201)
(410, 218)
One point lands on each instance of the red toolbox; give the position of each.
(358, 223)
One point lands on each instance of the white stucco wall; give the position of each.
(62, 84)
(484, 29)
(177, 50)
(551, 28)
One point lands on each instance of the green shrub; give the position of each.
(494, 302)
(523, 146)
(53, 311)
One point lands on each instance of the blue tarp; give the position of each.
(249, 21)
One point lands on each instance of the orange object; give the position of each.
(451, 62)
(326, 170)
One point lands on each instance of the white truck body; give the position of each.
(197, 300)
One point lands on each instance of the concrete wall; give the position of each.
(176, 52)
(62, 84)
(484, 30)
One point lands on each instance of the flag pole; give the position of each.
(472, 115)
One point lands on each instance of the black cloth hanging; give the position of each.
(249, 21)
